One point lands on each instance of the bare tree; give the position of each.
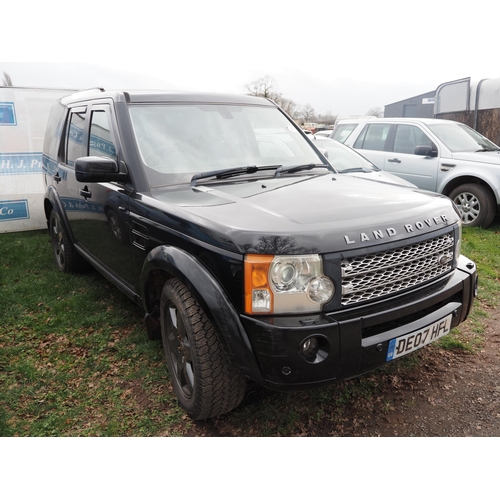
(377, 112)
(6, 81)
(327, 118)
(287, 105)
(267, 87)
(307, 113)
(262, 87)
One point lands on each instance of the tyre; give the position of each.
(67, 258)
(475, 204)
(204, 380)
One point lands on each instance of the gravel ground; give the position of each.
(455, 394)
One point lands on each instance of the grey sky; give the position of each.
(340, 57)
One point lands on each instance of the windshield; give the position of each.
(343, 158)
(458, 137)
(184, 139)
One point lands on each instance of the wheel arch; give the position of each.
(466, 179)
(165, 262)
(52, 201)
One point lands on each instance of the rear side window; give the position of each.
(373, 137)
(74, 136)
(342, 132)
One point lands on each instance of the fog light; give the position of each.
(314, 349)
(310, 347)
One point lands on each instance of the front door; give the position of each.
(402, 161)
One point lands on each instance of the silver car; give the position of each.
(438, 155)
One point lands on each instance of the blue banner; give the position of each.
(20, 163)
(14, 210)
(7, 114)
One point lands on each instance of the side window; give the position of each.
(407, 137)
(74, 136)
(101, 141)
(373, 137)
(342, 132)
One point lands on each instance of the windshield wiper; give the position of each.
(356, 169)
(297, 168)
(230, 172)
(486, 149)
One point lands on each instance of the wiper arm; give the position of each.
(297, 168)
(229, 172)
(356, 169)
(485, 149)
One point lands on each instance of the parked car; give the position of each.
(252, 258)
(438, 155)
(347, 161)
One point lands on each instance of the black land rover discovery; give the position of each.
(252, 257)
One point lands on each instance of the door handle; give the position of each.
(394, 160)
(85, 193)
(57, 177)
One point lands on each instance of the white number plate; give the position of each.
(415, 340)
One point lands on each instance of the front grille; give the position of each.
(380, 274)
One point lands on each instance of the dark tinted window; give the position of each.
(407, 137)
(373, 137)
(74, 137)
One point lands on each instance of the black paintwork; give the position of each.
(200, 231)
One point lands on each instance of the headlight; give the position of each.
(285, 284)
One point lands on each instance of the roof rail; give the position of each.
(92, 89)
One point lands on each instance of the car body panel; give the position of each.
(149, 224)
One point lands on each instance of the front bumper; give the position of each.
(356, 340)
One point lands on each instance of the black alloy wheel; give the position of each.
(205, 381)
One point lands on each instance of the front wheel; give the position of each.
(475, 204)
(204, 380)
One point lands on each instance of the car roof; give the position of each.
(164, 96)
(425, 121)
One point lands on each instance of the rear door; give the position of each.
(106, 235)
(372, 142)
(98, 212)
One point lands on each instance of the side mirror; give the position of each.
(425, 150)
(98, 169)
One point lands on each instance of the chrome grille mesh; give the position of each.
(376, 275)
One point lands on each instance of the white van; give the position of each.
(23, 119)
